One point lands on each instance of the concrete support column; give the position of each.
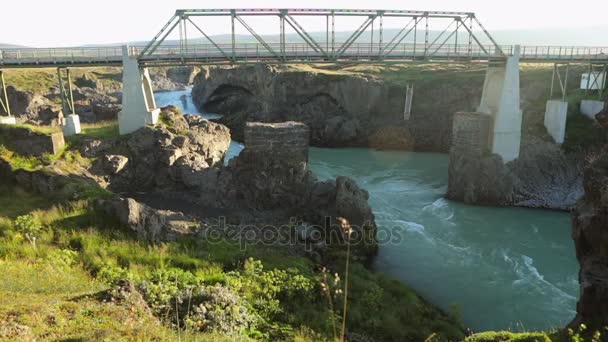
(556, 113)
(71, 125)
(8, 120)
(501, 99)
(591, 107)
(138, 104)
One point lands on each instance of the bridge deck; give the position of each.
(293, 53)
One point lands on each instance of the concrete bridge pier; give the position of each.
(591, 107)
(138, 104)
(501, 100)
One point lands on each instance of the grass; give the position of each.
(44, 79)
(59, 280)
(100, 130)
(582, 133)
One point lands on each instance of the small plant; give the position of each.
(29, 226)
(112, 274)
(62, 258)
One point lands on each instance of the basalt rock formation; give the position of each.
(272, 174)
(339, 109)
(166, 157)
(33, 108)
(590, 235)
(174, 173)
(543, 176)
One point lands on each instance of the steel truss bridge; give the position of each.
(463, 40)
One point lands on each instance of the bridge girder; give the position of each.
(378, 50)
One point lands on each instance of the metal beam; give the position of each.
(448, 38)
(563, 82)
(158, 35)
(488, 35)
(355, 35)
(302, 12)
(307, 38)
(155, 43)
(240, 20)
(210, 40)
(67, 97)
(4, 95)
(472, 35)
(415, 20)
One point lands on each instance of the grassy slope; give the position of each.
(43, 79)
(39, 286)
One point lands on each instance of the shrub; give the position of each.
(29, 226)
(111, 274)
(219, 309)
(62, 258)
(186, 301)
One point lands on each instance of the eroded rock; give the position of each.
(543, 176)
(590, 234)
(151, 224)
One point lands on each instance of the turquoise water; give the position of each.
(501, 268)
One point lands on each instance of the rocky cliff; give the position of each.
(341, 109)
(97, 94)
(590, 234)
(543, 176)
(179, 166)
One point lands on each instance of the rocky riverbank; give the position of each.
(168, 186)
(543, 176)
(179, 165)
(97, 95)
(590, 235)
(341, 109)
(358, 105)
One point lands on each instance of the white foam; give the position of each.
(440, 209)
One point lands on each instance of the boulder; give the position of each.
(172, 117)
(170, 156)
(105, 111)
(113, 164)
(30, 142)
(151, 224)
(85, 81)
(27, 106)
(91, 148)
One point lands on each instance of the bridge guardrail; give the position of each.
(300, 51)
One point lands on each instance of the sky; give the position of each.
(44, 23)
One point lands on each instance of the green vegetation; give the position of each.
(192, 289)
(582, 334)
(44, 79)
(582, 133)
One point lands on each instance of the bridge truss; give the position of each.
(412, 42)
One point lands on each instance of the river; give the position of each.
(500, 268)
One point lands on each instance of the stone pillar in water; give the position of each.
(475, 175)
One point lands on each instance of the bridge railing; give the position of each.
(303, 51)
(564, 53)
(273, 51)
(70, 54)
